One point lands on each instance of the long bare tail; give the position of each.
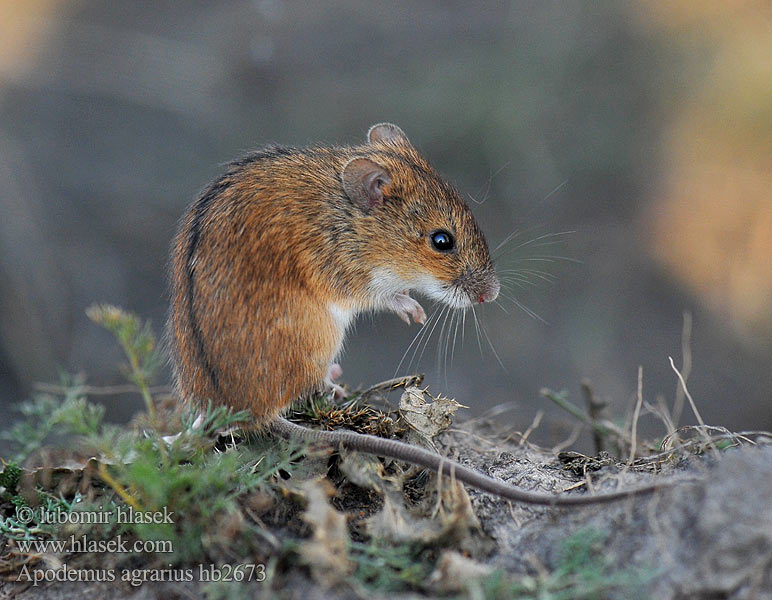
(378, 446)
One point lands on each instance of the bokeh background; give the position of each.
(643, 128)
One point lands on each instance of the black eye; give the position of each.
(443, 241)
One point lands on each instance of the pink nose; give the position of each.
(490, 294)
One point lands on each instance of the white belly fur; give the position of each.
(342, 317)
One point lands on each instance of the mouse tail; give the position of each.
(416, 455)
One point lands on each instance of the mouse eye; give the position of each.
(442, 241)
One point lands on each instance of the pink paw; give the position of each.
(333, 372)
(338, 392)
(407, 307)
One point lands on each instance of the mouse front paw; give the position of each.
(407, 307)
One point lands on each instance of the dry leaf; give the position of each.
(362, 470)
(393, 522)
(428, 419)
(455, 572)
(327, 551)
(58, 470)
(453, 503)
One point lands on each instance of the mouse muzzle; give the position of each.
(480, 286)
(491, 292)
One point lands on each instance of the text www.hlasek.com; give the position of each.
(82, 544)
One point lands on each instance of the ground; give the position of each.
(268, 518)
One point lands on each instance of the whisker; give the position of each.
(415, 337)
(548, 277)
(477, 328)
(443, 352)
(490, 180)
(496, 354)
(550, 259)
(463, 325)
(555, 191)
(524, 270)
(455, 336)
(428, 328)
(541, 243)
(533, 242)
(452, 316)
(439, 343)
(516, 232)
(523, 307)
(521, 283)
(450, 347)
(526, 276)
(428, 337)
(511, 236)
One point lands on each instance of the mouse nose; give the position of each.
(491, 293)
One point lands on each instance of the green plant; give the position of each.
(138, 343)
(198, 480)
(386, 567)
(46, 414)
(9, 478)
(200, 490)
(15, 527)
(583, 572)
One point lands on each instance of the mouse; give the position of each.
(276, 258)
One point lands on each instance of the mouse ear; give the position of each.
(363, 182)
(383, 132)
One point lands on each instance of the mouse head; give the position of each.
(416, 231)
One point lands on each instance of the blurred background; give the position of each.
(645, 129)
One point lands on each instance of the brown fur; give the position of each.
(269, 245)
